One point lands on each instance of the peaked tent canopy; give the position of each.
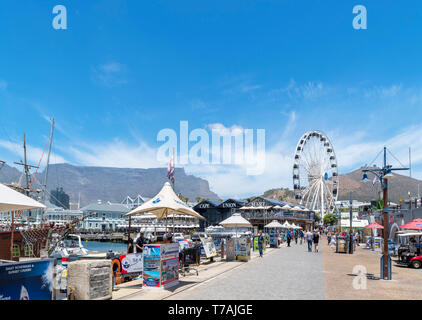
(286, 225)
(274, 224)
(11, 200)
(286, 207)
(166, 202)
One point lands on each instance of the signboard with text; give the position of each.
(132, 263)
(30, 280)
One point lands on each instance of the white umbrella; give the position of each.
(286, 207)
(286, 225)
(296, 208)
(277, 207)
(166, 202)
(274, 224)
(306, 210)
(236, 221)
(11, 200)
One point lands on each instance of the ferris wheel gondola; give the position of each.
(315, 173)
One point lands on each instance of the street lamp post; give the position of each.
(382, 174)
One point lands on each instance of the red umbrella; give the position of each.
(415, 224)
(374, 225)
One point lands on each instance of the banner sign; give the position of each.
(209, 247)
(30, 280)
(132, 263)
(152, 266)
(169, 271)
(160, 265)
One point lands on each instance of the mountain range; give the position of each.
(112, 184)
(398, 188)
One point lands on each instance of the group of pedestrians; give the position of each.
(312, 238)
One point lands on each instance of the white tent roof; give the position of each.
(165, 203)
(274, 224)
(286, 207)
(296, 208)
(277, 207)
(11, 200)
(286, 225)
(235, 221)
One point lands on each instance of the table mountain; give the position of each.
(114, 184)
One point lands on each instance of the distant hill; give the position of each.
(114, 184)
(398, 188)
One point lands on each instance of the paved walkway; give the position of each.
(285, 273)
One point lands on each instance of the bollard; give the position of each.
(222, 249)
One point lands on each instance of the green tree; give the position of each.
(330, 219)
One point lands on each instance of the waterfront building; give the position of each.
(261, 211)
(107, 216)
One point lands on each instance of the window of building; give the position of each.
(28, 249)
(16, 251)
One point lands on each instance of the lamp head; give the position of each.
(388, 174)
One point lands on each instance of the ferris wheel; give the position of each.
(315, 173)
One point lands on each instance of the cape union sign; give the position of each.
(204, 206)
(229, 205)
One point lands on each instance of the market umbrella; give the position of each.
(286, 225)
(166, 202)
(277, 207)
(286, 207)
(374, 225)
(274, 224)
(296, 208)
(415, 224)
(236, 221)
(11, 200)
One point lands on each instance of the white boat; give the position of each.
(71, 246)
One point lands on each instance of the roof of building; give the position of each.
(106, 207)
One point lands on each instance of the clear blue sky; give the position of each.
(124, 70)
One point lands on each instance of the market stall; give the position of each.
(274, 236)
(161, 260)
(240, 247)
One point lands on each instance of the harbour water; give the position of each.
(100, 246)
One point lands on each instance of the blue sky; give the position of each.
(124, 70)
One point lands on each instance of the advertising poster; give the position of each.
(242, 249)
(209, 247)
(169, 271)
(151, 266)
(230, 250)
(27, 280)
(132, 263)
(169, 251)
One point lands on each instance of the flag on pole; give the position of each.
(374, 181)
(170, 169)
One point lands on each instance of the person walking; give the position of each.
(260, 243)
(309, 238)
(289, 237)
(301, 235)
(296, 235)
(316, 240)
(329, 238)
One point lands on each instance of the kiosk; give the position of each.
(161, 265)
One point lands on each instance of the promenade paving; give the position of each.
(286, 273)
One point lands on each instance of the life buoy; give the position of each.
(116, 266)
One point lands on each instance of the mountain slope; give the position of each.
(114, 184)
